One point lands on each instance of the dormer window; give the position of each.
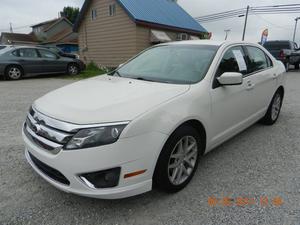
(94, 14)
(112, 10)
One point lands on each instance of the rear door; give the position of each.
(29, 59)
(51, 62)
(264, 77)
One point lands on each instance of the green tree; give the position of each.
(70, 13)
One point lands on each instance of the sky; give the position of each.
(23, 13)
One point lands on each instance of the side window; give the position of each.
(94, 14)
(269, 61)
(47, 54)
(295, 46)
(233, 61)
(256, 59)
(15, 53)
(112, 10)
(28, 53)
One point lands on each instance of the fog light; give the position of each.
(102, 179)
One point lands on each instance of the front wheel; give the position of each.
(73, 69)
(178, 160)
(274, 109)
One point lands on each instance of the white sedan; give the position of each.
(147, 123)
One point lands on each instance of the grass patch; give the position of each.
(91, 70)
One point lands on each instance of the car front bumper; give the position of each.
(130, 154)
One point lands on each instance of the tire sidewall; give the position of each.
(161, 178)
(268, 120)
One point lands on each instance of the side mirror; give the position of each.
(230, 78)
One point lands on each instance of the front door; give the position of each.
(51, 62)
(231, 105)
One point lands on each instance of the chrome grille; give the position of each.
(43, 135)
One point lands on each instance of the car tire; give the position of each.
(14, 72)
(178, 160)
(274, 109)
(73, 69)
(287, 66)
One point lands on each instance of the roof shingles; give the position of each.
(163, 12)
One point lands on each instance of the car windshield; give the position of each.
(179, 64)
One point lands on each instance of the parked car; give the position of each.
(2, 47)
(17, 62)
(60, 52)
(286, 51)
(148, 122)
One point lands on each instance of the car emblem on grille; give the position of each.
(36, 128)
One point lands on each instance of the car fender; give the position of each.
(166, 118)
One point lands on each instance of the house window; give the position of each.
(112, 10)
(182, 37)
(94, 14)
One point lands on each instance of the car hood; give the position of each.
(105, 99)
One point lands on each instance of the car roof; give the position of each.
(210, 42)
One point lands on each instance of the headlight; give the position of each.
(92, 137)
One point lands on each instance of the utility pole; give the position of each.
(295, 30)
(246, 20)
(11, 28)
(226, 33)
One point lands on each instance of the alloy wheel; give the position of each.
(276, 107)
(73, 70)
(14, 73)
(183, 160)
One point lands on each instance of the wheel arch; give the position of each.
(196, 124)
(14, 64)
(281, 90)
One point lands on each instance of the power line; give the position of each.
(273, 24)
(273, 9)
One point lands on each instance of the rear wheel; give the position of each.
(14, 73)
(178, 160)
(274, 109)
(73, 69)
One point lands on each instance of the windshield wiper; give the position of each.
(144, 79)
(115, 72)
(150, 80)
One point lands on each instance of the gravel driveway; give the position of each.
(261, 162)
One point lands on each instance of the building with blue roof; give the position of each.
(112, 31)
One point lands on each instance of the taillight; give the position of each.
(281, 54)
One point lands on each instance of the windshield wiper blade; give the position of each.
(144, 79)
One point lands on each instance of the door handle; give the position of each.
(250, 85)
(275, 76)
